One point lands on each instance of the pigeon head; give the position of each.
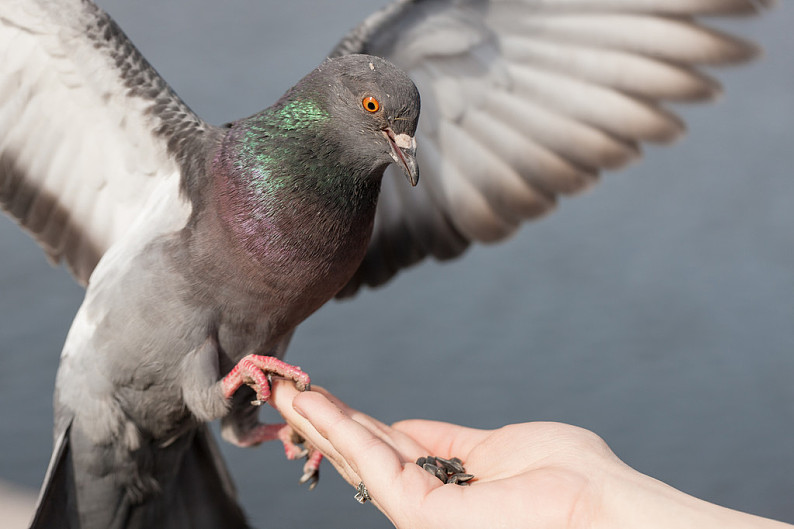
(317, 155)
(372, 108)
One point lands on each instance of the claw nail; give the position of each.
(257, 402)
(308, 475)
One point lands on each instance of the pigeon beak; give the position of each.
(403, 151)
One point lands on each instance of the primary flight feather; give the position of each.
(203, 247)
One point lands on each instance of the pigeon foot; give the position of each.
(255, 370)
(293, 449)
(260, 434)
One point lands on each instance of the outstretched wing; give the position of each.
(526, 100)
(88, 129)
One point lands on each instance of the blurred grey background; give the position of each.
(656, 310)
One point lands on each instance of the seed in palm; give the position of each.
(447, 470)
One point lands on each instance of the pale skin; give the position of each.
(529, 475)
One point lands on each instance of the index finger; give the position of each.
(377, 463)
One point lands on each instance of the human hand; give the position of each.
(527, 475)
(548, 482)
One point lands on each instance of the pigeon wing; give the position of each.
(88, 129)
(527, 100)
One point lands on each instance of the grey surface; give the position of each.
(656, 310)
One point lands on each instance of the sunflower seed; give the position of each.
(447, 470)
(452, 466)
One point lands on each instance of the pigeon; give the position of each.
(203, 247)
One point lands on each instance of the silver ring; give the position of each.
(362, 494)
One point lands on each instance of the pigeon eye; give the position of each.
(370, 104)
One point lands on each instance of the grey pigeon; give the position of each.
(202, 245)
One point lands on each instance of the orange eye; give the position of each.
(370, 104)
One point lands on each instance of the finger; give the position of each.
(442, 438)
(282, 394)
(405, 445)
(377, 463)
(282, 398)
(368, 421)
(339, 403)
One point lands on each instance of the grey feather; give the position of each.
(549, 92)
(71, 56)
(193, 488)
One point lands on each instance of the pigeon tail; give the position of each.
(201, 494)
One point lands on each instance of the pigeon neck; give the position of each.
(283, 194)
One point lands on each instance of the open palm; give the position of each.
(526, 475)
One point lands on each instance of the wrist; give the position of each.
(633, 500)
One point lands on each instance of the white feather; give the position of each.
(539, 166)
(669, 39)
(626, 72)
(83, 143)
(608, 110)
(670, 7)
(472, 215)
(571, 139)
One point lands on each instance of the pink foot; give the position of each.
(291, 442)
(292, 448)
(253, 370)
(261, 433)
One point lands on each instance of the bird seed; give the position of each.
(447, 470)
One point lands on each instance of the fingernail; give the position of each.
(298, 409)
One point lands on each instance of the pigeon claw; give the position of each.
(293, 450)
(292, 443)
(311, 469)
(308, 475)
(255, 371)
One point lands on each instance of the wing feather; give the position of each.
(662, 7)
(596, 105)
(543, 169)
(621, 71)
(678, 40)
(525, 100)
(88, 129)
